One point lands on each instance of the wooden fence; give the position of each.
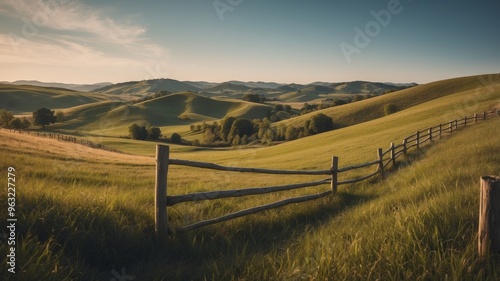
(66, 138)
(384, 159)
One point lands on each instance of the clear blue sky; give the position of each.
(88, 41)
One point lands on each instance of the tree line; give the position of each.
(233, 131)
(41, 117)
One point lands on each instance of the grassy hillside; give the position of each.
(179, 109)
(26, 99)
(370, 109)
(85, 213)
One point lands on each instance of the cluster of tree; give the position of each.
(41, 117)
(8, 121)
(149, 132)
(281, 112)
(254, 98)
(233, 131)
(330, 102)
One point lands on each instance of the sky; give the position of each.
(91, 41)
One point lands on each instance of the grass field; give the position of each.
(26, 99)
(84, 213)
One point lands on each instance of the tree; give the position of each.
(176, 138)
(16, 124)
(44, 116)
(319, 123)
(154, 133)
(25, 123)
(137, 132)
(225, 127)
(5, 118)
(134, 131)
(291, 133)
(241, 127)
(254, 98)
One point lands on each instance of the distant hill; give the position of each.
(137, 89)
(369, 109)
(75, 87)
(26, 98)
(258, 84)
(182, 108)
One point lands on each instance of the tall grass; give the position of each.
(419, 224)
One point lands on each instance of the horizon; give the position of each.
(88, 42)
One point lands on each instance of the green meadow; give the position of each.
(88, 214)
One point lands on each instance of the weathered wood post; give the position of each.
(335, 169)
(465, 121)
(451, 126)
(489, 217)
(430, 134)
(404, 146)
(484, 115)
(393, 155)
(456, 124)
(417, 141)
(162, 159)
(381, 163)
(440, 129)
(475, 117)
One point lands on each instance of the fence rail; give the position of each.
(162, 201)
(66, 138)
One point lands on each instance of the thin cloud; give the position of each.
(57, 52)
(75, 18)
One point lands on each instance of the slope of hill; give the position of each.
(74, 87)
(138, 89)
(183, 108)
(26, 99)
(98, 208)
(373, 108)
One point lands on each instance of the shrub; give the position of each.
(240, 128)
(390, 109)
(154, 133)
(137, 132)
(319, 123)
(5, 118)
(176, 138)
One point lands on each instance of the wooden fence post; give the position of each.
(404, 146)
(456, 124)
(465, 121)
(430, 134)
(162, 159)
(440, 129)
(335, 169)
(381, 163)
(417, 141)
(489, 217)
(451, 126)
(475, 117)
(484, 115)
(393, 156)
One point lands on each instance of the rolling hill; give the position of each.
(366, 110)
(90, 208)
(138, 89)
(26, 99)
(183, 108)
(74, 87)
